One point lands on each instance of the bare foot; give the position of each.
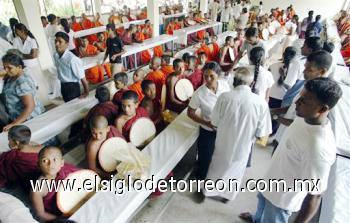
(246, 216)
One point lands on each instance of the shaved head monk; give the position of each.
(130, 113)
(156, 75)
(136, 86)
(100, 132)
(19, 165)
(166, 67)
(121, 84)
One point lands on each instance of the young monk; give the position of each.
(169, 29)
(121, 84)
(156, 75)
(100, 132)
(19, 165)
(139, 38)
(104, 107)
(148, 32)
(86, 23)
(53, 168)
(214, 49)
(152, 105)
(101, 45)
(166, 68)
(194, 74)
(128, 39)
(202, 60)
(130, 113)
(204, 48)
(94, 74)
(172, 102)
(136, 86)
(75, 25)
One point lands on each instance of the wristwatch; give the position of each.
(275, 117)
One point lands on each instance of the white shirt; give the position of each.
(205, 99)
(291, 27)
(278, 91)
(236, 11)
(10, 37)
(273, 27)
(71, 44)
(242, 21)
(69, 67)
(214, 10)
(264, 81)
(25, 48)
(305, 152)
(290, 114)
(225, 14)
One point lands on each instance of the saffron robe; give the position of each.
(167, 69)
(158, 78)
(136, 87)
(93, 74)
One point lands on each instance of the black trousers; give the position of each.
(205, 145)
(70, 90)
(274, 103)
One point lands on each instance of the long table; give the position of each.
(166, 150)
(132, 50)
(182, 34)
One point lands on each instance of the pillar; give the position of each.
(153, 15)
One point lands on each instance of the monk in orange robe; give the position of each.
(136, 86)
(214, 49)
(130, 113)
(148, 32)
(166, 67)
(143, 15)
(156, 75)
(100, 44)
(121, 84)
(75, 25)
(20, 164)
(170, 28)
(140, 37)
(50, 172)
(93, 74)
(100, 132)
(97, 21)
(194, 74)
(86, 23)
(178, 24)
(128, 38)
(204, 48)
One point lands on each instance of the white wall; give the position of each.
(326, 8)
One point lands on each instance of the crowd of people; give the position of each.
(288, 101)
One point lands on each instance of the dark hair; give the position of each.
(43, 150)
(228, 38)
(317, 18)
(192, 59)
(288, 55)
(20, 133)
(251, 32)
(130, 95)
(62, 35)
(214, 66)
(327, 91)
(110, 26)
(321, 59)
(13, 59)
(13, 22)
(100, 33)
(122, 77)
(72, 17)
(314, 43)
(65, 24)
(185, 57)
(328, 46)
(51, 17)
(43, 17)
(244, 10)
(102, 94)
(256, 56)
(23, 28)
(145, 84)
(166, 58)
(201, 53)
(176, 62)
(147, 20)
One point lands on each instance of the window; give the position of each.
(7, 11)
(66, 8)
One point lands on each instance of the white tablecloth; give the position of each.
(166, 150)
(181, 34)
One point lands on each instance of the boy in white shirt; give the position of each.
(307, 151)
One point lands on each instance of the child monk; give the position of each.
(130, 113)
(94, 74)
(136, 86)
(53, 168)
(139, 38)
(156, 75)
(75, 25)
(203, 47)
(166, 67)
(194, 74)
(121, 84)
(214, 49)
(128, 39)
(172, 102)
(170, 27)
(86, 23)
(152, 105)
(148, 32)
(19, 165)
(100, 131)
(202, 60)
(100, 44)
(104, 107)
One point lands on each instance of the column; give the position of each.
(97, 6)
(153, 15)
(29, 14)
(203, 6)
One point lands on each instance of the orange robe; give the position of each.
(93, 74)
(201, 34)
(136, 87)
(170, 28)
(167, 69)
(76, 27)
(143, 15)
(87, 24)
(214, 55)
(158, 77)
(145, 55)
(204, 48)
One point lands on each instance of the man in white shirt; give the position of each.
(243, 19)
(214, 10)
(306, 152)
(225, 16)
(236, 10)
(240, 117)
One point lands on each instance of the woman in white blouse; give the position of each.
(12, 35)
(204, 99)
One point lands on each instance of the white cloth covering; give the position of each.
(240, 117)
(304, 152)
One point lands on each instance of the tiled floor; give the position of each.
(179, 207)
